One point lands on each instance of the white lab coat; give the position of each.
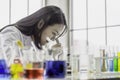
(9, 36)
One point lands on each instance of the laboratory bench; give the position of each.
(66, 78)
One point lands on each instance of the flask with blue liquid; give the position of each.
(55, 67)
(4, 70)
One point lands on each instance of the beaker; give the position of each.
(33, 64)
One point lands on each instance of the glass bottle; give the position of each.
(103, 67)
(115, 62)
(110, 62)
(118, 54)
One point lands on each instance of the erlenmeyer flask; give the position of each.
(56, 67)
(16, 62)
(4, 71)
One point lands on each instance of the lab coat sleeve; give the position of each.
(9, 37)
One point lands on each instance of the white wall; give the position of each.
(97, 21)
(13, 10)
(4, 13)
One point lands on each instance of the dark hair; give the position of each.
(46, 16)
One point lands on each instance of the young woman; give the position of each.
(49, 22)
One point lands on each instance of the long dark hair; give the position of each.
(46, 16)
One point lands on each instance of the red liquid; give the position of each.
(36, 73)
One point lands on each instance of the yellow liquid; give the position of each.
(16, 71)
(118, 61)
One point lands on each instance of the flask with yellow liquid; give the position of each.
(16, 69)
(118, 55)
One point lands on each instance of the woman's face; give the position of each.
(52, 32)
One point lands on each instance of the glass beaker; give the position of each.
(34, 64)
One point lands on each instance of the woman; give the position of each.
(49, 22)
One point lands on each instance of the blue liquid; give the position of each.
(110, 65)
(55, 69)
(4, 71)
